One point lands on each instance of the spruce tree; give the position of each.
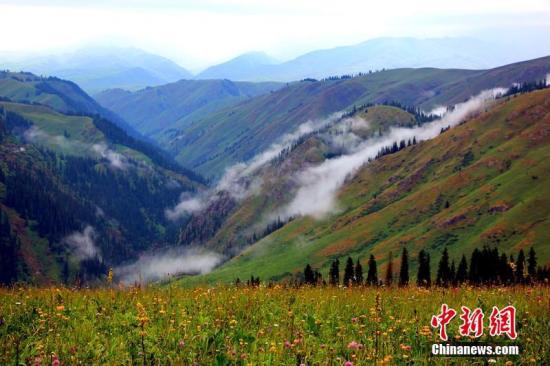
(443, 269)
(473, 275)
(389, 270)
(358, 273)
(372, 275)
(309, 276)
(520, 267)
(452, 274)
(424, 277)
(532, 264)
(505, 272)
(404, 269)
(334, 274)
(428, 274)
(462, 271)
(348, 272)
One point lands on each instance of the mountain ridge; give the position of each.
(466, 188)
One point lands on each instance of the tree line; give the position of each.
(526, 87)
(486, 267)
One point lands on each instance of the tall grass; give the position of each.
(254, 326)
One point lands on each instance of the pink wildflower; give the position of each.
(55, 361)
(354, 345)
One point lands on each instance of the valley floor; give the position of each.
(256, 326)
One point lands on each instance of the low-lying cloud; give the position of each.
(36, 135)
(171, 262)
(318, 185)
(116, 160)
(238, 179)
(82, 243)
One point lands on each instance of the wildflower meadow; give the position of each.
(257, 325)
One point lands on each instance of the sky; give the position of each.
(198, 33)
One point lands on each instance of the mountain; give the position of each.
(228, 224)
(77, 193)
(372, 55)
(483, 182)
(174, 106)
(61, 95)
(99, 68)
(239, 68)
(234, 134)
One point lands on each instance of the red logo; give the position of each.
(472, 322)
(441, 320)
(503, 322)
(500, 322)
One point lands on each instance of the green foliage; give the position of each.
(490, 205)
(253, 325)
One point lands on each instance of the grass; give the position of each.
(399, 200)
(254, 326)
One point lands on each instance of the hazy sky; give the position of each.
(196, 33)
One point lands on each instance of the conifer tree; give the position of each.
(462, 271)
(452, 274)
(404, 269)
(473, 274)
(348, 272)
(372, 275)
(389, 270)
(358, 273)
(423, 277)
(334, 274)
(532, 264)
(505, 271)
(520, 267)
(309, 276)
(443, 269)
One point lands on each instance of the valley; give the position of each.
(307, 183)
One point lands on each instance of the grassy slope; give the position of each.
(500, 198)
(237, 133)
(153, 111)
(253, 213)
(75, 136)
(61, 95)
(55, 124)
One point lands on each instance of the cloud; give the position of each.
(36, 135)
(439, 111)
(174, 261)
(116, 160)
(318, 185)
(82, 243)
(184, 207)
(238, 180)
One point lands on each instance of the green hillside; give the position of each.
(229, 226)
(492, 170)
(61, 95)
(237, 133)
(62, 174)
(171, 107)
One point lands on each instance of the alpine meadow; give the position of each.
(274, 183)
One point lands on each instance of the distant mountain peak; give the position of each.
(374, 54)
(97, 68)
(238, 67)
